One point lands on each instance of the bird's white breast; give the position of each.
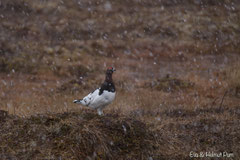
(108, 96)
(100, 101)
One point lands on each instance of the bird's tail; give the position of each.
(84, 101)
(78, 101)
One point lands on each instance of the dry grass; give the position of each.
(77, 135)
(174, 60)
(233, 76)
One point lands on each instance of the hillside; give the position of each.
(177, 78)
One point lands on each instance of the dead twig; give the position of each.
(214, 101)
(223, 99)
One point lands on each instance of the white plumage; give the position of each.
(96, 101)
(102, 96)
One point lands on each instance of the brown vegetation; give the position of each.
(233, 78)
(175, 59)
(77, 135)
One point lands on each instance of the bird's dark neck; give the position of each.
(108, 78)
(107, 85)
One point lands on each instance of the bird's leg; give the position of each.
(100, 112)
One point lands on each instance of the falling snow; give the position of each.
(177, 78)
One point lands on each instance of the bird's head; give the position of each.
(110, 70)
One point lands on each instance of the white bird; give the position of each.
(102, 96)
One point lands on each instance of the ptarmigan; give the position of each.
(102, 96)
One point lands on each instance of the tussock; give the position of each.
(74, 136)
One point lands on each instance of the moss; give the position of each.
(169, 84)
(3, 64)
(3, 115)
(72, 86)
(65, 129)
(17, 64)
(76, 136)
(78, 70)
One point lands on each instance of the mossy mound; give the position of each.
(74, 136)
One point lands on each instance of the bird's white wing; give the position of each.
(87, 100)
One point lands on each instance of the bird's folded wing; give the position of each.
(90, 97)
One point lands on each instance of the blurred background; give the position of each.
(175, 60)
(55, 51)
